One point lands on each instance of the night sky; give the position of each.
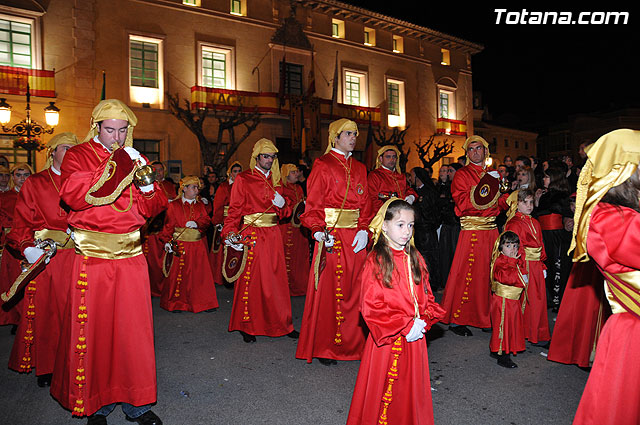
(531, 76)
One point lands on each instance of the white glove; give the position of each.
(205, 201)
(525, 277)
(219, 227)
(360, 241)
(410, 199)
(191, 224)
(236, 246)
(544, 273)
(32, 254)
(494, 174)
(167, 247)
(135, 155)
(417, 330)
(146, 189)
(278, 200)
(319, 236)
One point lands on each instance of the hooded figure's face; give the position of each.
(389, 159)
(476, 153)
(112, 131)
(265, 160)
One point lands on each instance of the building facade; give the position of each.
(304, 62)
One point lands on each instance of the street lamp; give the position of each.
(28, 129)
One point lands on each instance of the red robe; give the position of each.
(261, 303)
(612, 394)
(296, 245)
(384, 183)
(322, 334)
(116, 361)
(536, 321)
(583, 311)
(467, 292)
(153, 248)
(389, 314)
(189, 285)
(10, 267)
(505, 271)
(221, 200)
(38, 207)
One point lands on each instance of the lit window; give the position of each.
(148, 148)
(238, 7)
(398, 44)
(355, 88)
(444, 104)
(15, 43)
(395, 103)
(216, 66)
(144, 63)
(337, 28)
(292, 78)
(369, 37)
(191, 2)
(145, 70)
(446, 57)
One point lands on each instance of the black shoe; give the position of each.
(505, 361)
(486, 330)
(460, 330)
(97, 420)
(543, 344)
(327, 362)
(211, 310)
(294, 334)
(494, 355)
(147, 418)
(176, 311)
(248, 338)
(45, 380)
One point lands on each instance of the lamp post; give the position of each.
(28, 129)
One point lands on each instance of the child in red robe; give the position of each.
(507, 284)
(536, 321)
(188, 285)
(393, 383)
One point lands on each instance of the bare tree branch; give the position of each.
(431, 151)
(227, 121)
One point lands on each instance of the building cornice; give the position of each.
(388, 23)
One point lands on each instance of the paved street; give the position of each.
(207, 375)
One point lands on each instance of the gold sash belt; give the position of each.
(470, 222)
(225, 211)
(341, 219)
(261, 220)
(623, 291)
(533, 254)
(186, 234)
(507, 291)
(58, 236)
(109, 246)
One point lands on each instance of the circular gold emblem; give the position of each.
(484, 190)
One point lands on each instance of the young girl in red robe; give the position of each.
(188, 286)
(393, 384)
(536, 321)
(507, 284)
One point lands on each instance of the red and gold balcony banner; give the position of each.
(13, 80)
(452, 127)
(269, 103)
